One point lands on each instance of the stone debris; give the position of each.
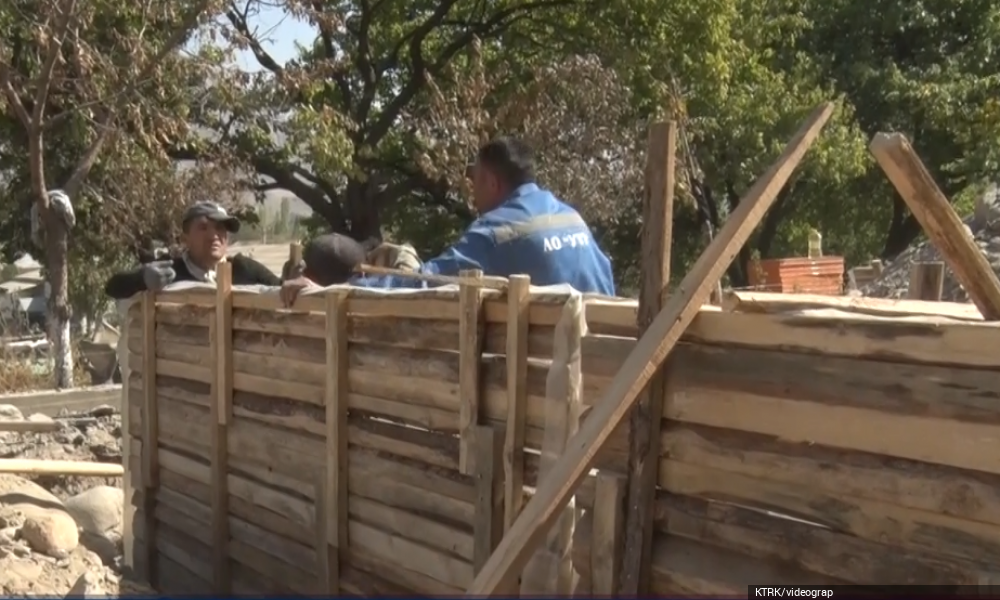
(62, 535)
(984, 227)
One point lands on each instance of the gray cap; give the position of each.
(212, 211)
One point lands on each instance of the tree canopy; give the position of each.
(374, 120)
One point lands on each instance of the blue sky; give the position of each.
(279, 33)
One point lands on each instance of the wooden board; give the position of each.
(905, 504)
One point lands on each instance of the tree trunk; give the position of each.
(59, 315)
(363, 211)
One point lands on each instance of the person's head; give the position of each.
(501, 166)
(205, 230)
(330, 259)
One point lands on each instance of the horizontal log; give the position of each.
(260, 331)
(76, 400)
(920, 340)
(683, 566)
(765, 302)
(294, 506)
(413, 488)
(900, 503)
(398, 551)
(381, 568)
(939, 392)
(404, 524)
(31, 466)
(29, 426)
(938, 441)
(816, 549)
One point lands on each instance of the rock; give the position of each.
(98, 510)
(47, 527)
(55, 534)
(9, 412)
(103, 445)
(87, 586)
(39, 418)
(104, 410)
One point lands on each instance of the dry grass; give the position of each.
(23, 374)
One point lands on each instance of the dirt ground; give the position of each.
(94, 566)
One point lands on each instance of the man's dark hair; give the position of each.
(330, 259)
(510, 159)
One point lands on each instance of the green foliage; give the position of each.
(373, 123)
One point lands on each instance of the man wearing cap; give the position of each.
(205, 236)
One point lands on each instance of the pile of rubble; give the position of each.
(62, 535)
(984, 227)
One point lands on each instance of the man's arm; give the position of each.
(255, 272)
(472, 251)
(125, 285)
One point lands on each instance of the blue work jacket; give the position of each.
(532, 233)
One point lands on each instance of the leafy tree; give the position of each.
(930, 69)
(70, 73)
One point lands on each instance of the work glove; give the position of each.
(395, 256)
(158, 275)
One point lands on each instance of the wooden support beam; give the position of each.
(29, 426)
(926, 281)
(471, 333)
(333, 514)
(488, 526)
(644, 422)
(940, 222)
(150, 440)
(221, 333)
(517, 397)
(550, 570)
(607, 535)
(642, 363)
(32, 466)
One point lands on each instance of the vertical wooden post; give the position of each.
(293, 267)
(470, 338)
(221, 413)
(333, 505)
(518, 296)
(150, 438)
(487, 444)
(926, 281)
(644, 421)
(606, 538)
(550, 570)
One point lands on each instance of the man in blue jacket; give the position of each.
(522, 229)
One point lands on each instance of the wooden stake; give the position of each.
(926, 281)
(517, 396)
(488, 526)
(606, 539)
(221, 332)
(642, 363)
(150, 439)
(644, 422)
(946, 231)
(334, 534)
(470, 338)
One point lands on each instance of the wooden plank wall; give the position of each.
(814, 447)
(415, 523)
